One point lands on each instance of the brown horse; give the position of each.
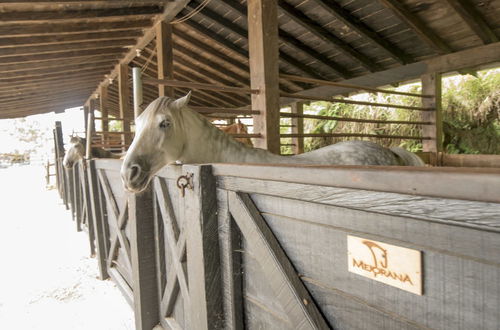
(237, 128)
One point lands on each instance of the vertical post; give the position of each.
(124, 96)
(165, 57)
(264, 75)
(89, 133)
(86, 110)
(137, 84)
(142, 246)
(95, 221)
(201, 226)
(431, 84)
(103, 106)
(297, 127)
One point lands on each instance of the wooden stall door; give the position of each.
(189, 280)
(84, 220)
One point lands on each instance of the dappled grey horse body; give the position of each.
(76, 151)
(168, 132)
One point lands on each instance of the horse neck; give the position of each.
(207, 144)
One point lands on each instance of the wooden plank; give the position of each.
(124, 101)
(203, 250)
(8, 42)
(165, 57)
(417, 26)
(145, 290)
(264, 71)
(103, 108)
(376, 136)
(97, 218)
(196, 85)
(471, 160)
(473, 18)
(297, 127)
(290, 291)
(231, 263)
(72, 16)
(354, 120)
(474, 185)
(431, 84)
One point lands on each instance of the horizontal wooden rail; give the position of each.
(357, 87)
(225, 110)
(195, 85)
(241, 136)
(287, 144)
(104, 145)
(110, 119)
(380, 136)
(385, 105)
(355, 120)
(113, 133)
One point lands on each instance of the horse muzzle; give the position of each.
(135, 179)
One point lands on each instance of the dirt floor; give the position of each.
(47, 279)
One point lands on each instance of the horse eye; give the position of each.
(165, 123)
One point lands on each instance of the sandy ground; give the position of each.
(47, 279)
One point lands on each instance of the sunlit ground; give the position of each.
(47, 279)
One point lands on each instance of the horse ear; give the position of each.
(183, 101)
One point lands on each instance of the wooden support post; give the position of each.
(142, 246)
(264, 75)
(97, 218)
(137, 84)
(431, 84)
(203, 262)
(103, 106)
(297, 127)
(124, 100)
(86, 110)
(89, 133)
(165, 57)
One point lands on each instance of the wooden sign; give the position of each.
(386, 263)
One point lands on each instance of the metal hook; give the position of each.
(185, 181)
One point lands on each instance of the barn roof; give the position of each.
(53, 54)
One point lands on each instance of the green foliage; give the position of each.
(471, 108)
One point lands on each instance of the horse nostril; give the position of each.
(135, 171)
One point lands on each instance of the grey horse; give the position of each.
(168, 131)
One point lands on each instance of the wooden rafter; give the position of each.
(65, 39)
(417, 25)
(62, 55)
(242, 33)
(71, 28)
(89, 60)
(103, 64)
(294, 43)
(316, 29)
(473, 18)
(72, 16)
(365, 31)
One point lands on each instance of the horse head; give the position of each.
(75, 152)
(159, 140)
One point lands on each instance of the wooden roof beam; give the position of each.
(336, 10)
(20, 67)
(77, 74)
(291, 41)
(473, 18)
(10, 42)
(171, 9)
(73, 16)
(40, 5)
(300, 18)
(242, 33)
(97, 66)
(243, 54)
(32, 30)
(75, 46)
(61, 55)
(418, 26)
(37, 82)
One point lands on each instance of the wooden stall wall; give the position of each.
(254, 246)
